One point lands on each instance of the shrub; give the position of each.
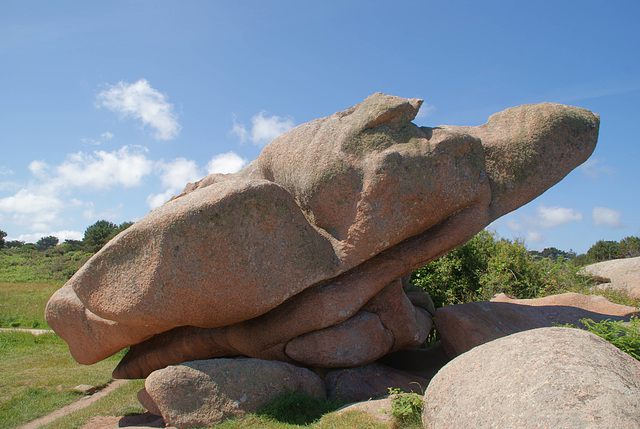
(487, 265)
(406, 408)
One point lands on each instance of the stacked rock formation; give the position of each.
(298, 257)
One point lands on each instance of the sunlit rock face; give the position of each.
(298, 256)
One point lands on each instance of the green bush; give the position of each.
(625, 336)
(406, 408)
(487, 265)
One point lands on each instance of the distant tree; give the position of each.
(553, 253)
(120, 228)
(2, 236)
(47, 242)
(13, 243)
(630, 246)
(72, 245)
(98, 234)
(604, 251)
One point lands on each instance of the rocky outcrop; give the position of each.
(206, 392)
(465, 326)
(621, 275)
(541, 378)
(298, 255)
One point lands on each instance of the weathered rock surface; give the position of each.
(465, 326)
(621, 275)
(204, 393)
(541, 378)
(369, 381)
(323, 223)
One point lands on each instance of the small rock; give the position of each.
(85, 389)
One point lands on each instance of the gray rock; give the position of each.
(542, 378)
(204, 393)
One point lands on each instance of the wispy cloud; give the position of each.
(604, 216)
(140, 101)
(104, 137)
(425, 111)
(263, 128)
(595, 167)
(550, 217)
(175, 174)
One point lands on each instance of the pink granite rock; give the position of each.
(621, 275)
(206, 392)
(465, 326)
(300, 240)
(540, 378)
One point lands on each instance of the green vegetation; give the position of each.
(99, 234)
(297, 409)
(22, 304)
(38, 375)
(27, 264)
(623, 335)
(487, 265)
(406, 409)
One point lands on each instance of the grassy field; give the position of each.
(22, 304)
(38, 374)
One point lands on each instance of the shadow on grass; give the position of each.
(298, 409)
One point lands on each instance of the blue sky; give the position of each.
(109, 108)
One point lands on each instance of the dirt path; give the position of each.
(30, 331)
(75, 406)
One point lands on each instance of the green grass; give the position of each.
(22, 304)
(29, 265)
(348, 420)
(120, 402)
(38, 374)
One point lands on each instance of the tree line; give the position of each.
(95, 237)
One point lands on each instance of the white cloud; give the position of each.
(104, 137)
(61, 235)
(5, 171)
(425, 111)
(100, 170)
(177, 173)
(263, 128)
(140, 101)
(606, 217)
(534, 236)
(36, 208)
(550, 217)
(174, 176)
(595, 167)
(225, 163)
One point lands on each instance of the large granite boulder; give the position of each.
(306, 245)
(541, 378)
(465, 326)
(620, 275)
(206, 392)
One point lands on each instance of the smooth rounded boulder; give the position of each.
(541, 378)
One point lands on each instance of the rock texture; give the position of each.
(370, 381)
(622, 275)
(542, 378)
(206, 392)
(308, 242)
(465, 326)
